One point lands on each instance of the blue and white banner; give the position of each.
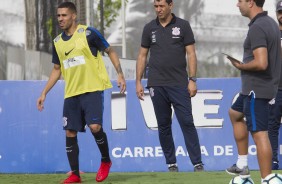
(34, 142)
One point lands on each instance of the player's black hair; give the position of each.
(68, 5)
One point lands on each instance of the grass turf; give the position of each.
(130, 178)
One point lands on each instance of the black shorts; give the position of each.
(255, 111)
(82, 110)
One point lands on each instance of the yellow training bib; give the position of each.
(82, 71)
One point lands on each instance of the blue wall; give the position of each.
(34, 142)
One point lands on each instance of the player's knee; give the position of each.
(95, 128)
(71, 133)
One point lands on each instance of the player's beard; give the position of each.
(280, 21)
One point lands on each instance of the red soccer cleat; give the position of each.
(103, 172)
(72, 179)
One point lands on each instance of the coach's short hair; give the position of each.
(68, 5)
(259, 3)
(167, 1)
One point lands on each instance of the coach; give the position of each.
(169, 38)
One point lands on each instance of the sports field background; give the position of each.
(130, 178)
(130, 126)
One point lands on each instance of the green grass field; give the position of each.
(129, 178)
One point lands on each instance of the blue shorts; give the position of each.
(255, 111)
(82, 110)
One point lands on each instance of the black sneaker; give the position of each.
(199, 167)
(172, 168)
(234, 170)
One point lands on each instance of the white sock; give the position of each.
(242, 161)
(169, 165)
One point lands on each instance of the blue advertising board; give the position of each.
(34, 142)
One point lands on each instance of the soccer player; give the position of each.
(76, 55)
(169, 39)
(260, 74)
(276, 108)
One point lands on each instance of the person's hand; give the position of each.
(121, 83)
(192, 88)
(40, 102)
(234, 62)
(139, 91)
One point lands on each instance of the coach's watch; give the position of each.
(194, 79)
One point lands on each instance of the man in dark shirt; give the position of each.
(169, 39)
(276, 108)
(260, 74)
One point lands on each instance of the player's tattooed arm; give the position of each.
(115, 60)
(119, 70)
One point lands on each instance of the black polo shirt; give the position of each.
(167, 63)
(263, 32)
